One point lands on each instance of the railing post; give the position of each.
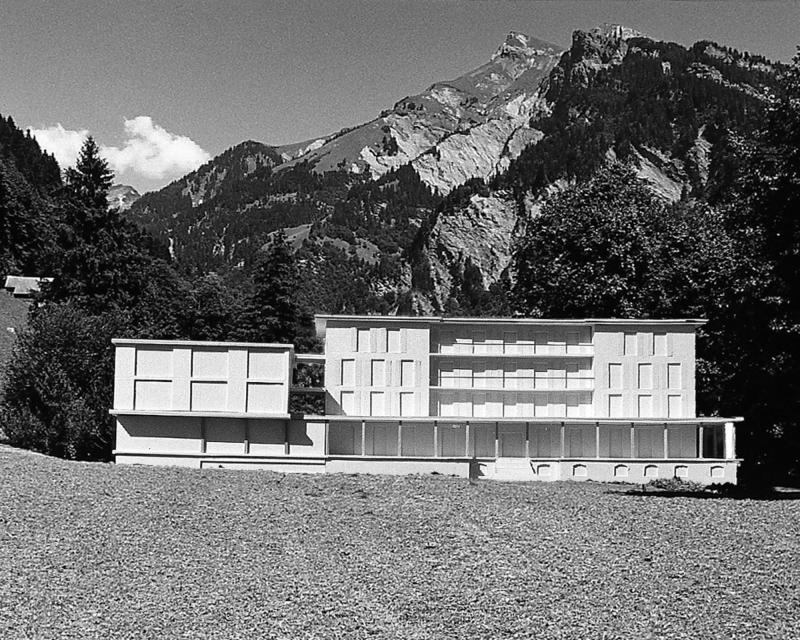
(700, 438)
(633, 441)
(597, 439)
(399, 438)
(527, 439)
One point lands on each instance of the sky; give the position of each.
(165, 86)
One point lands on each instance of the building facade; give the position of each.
(517, 399)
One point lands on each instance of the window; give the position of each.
(580, 442)
(510, 341)
(573, 339)
(682, 441)
(363, 340)
(407, 405)
(646, 344)
(615, 441)
(540, 340)
(646, 376)
(615, 375)
(557, 404)
(407, 373)
(645, 406)
(649, 442)
(479, 405)
(348, 403)
(378, 378)
(674, 375)
(674, 407)
(615, 406)
(377, 404)
(393, 339)
(659, 344)
(479, 341)
(447, 342)
(348, 373)
(630, 344)
(510, 374)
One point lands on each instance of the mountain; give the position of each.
(122, 197)
(405, 210)
(469, 127)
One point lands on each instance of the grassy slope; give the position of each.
(92, 550)
(13, 313)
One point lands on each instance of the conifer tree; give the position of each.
(273, 313)
(91, 178)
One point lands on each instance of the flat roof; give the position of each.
(321, 320)
(200, 343)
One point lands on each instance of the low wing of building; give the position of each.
(601, 399)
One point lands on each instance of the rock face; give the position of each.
(480, 234)
(469, 127)
(122, 197)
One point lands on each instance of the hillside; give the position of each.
(94, 550)
(438, 188)
(13, 316)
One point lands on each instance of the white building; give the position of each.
(498, 398)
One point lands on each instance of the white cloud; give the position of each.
(64, 144)
(149, 151)
(153, 152)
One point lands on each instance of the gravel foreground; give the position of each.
(100, 551)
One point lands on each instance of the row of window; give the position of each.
(543, 441)
(515, 343)
(644, 407)
(505, 404)
(380, 373)
(513, 405)
(645, 376)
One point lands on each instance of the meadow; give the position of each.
(92, 550)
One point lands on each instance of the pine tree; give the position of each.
(273, 313)
(91, 178)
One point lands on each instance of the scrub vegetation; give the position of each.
(94, 550)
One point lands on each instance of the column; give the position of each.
(563, 440)
(730, 441)
(666, 441)
(435, 438)
(633, 441)
(597, 439)
(466, 439)
(363, 437)
(700, 438)
(527, 439)
(399, 438)
(496, 440)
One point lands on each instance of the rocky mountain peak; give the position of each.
(519, 45)
(618, 32)
(122, 197)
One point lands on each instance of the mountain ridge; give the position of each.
(464, 164)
